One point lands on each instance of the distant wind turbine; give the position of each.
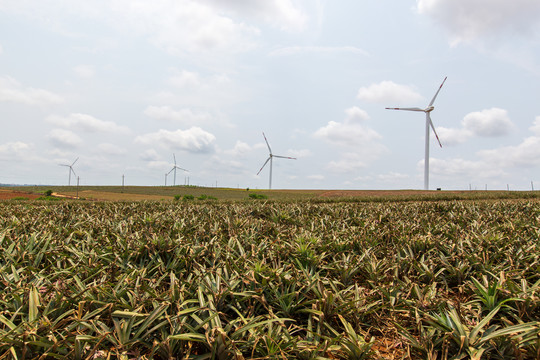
(429, 124)
(173, 169)
(270, 157)
(70, 170)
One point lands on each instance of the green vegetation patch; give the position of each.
(257, 196)
(270, 280)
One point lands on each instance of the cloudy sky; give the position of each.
(124, 84)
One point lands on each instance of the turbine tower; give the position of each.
(270, 157)
(429, 124)
(70, 170)
(174, 168)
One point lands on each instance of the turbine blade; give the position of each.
(284, 157)
(433, 128)
(73, 171)
(75, 161)
(182, 169)
(407, 109)
(174, 159)
(267, 144)
(266, 162)
(170, 171)
(437, 93)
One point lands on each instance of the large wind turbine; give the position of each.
(70, 170)
(174, 168)
(270, 157)
(429, 124)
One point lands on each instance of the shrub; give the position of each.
(206, 197)
(48, 193)
(188, 197)
(177, 197)
(257, 196)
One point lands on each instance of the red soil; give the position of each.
(9, 194)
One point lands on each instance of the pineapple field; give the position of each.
(262, 279)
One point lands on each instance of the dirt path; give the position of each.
(63, 196)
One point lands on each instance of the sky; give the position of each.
(122, 85)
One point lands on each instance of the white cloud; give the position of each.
(450, 137)
(393, 177)
(194, 140)
(241, 149)
(64, 138)
(353, 135)
(341, 133)
(182, 116)
(469, 20)
(176, 26)
(280, 13)
(536, 126)
(14, 150)
(111, 149)
(301, 153)
(84, 71)
(86, 123)
(526, 154)
(149, 155)
(351, 132)
(494, 162)
(349, 162)
(295, 50)
(226, 166)
(462, 169)
(489, 123)
(183, 26)
(316, 177)
(355, 115)
(492, 122)
(195, 90)
(159, 165)
(13, 147)
(12, 91)
(195, 81)
(389, 92)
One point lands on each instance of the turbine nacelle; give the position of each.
(429, 109)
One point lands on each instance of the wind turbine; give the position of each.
(429, 124)
(174, 168)
(70, 170)
(270, 157)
